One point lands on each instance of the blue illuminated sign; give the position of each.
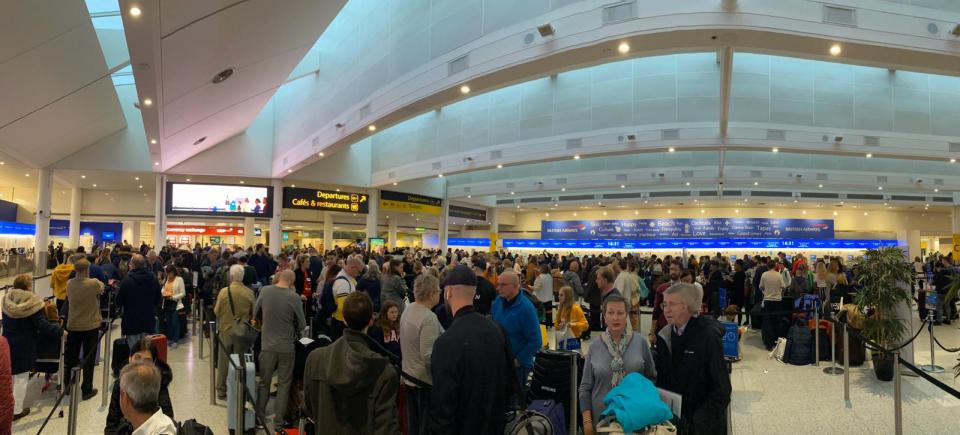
(18, 229)
(712, 244)
(713, 228)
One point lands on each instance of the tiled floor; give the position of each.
(768, 397)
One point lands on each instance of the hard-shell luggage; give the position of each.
(160, 341)
(858, 351)
(238, 398)
(48, 355)
(121, 353)
(552, 378)
(182, 319)
(528, 423)
(554, 412)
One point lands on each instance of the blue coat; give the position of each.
(519, 319)
(23, 335)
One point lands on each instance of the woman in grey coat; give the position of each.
(392, 286)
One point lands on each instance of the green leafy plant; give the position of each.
(885, 274)
(953, 290)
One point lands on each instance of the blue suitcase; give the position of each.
(554, 412)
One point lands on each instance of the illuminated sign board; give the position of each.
(410, 203)
(219, 199)
(325, 200)
(204, 231)
(467, 213)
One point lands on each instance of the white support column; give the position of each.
(43, 217)
(494, 228)
(327, 231)
(955, 226)
(725, 59)
(392, 232)
(248, 232)
(373, 199)
(444, 222)
(276, 234)
(135, 234)
(913, 244)
(75, 201)
(160, 217)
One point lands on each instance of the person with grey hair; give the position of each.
(617, 353)
(280, 313)
(139, 400)
(518, 317)
(369, 283)
(419, 329)
(234, 304)
(393, 288)
(689, 361)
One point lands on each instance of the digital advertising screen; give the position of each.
(219, 199)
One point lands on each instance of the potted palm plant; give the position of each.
(885, 274)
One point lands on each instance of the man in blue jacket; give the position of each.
(519, 318)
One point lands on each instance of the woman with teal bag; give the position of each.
(617, 353)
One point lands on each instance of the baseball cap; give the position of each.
(461, 275)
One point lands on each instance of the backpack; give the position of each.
(528, 423)
(807, 303)
(192, 427)
(328, 304)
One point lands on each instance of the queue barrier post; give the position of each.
(61, 369)
(833, 369)
(202, 327)
(816, 337)
(214, 347)
(241, 407)
(106, 365)
(74, 401)
(846, 363)
(897, 404)
(932, 367)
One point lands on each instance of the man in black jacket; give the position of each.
(485, 291)
(472, 366)
(139, 296)
(689, 360)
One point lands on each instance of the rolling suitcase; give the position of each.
(554, 412)
(235, 398)
(121, 354)
(160, 341)
(552, 379)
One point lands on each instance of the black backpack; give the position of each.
(799, 345)
(192, 427)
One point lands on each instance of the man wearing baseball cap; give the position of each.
(472, 365)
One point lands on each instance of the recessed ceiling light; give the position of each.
(372, 127)
(756, 183)
(770, 211)
(820, 186)
(3, 163)
(26, 175)
(936, 189)
(338, 189)
(869, 155)
(136, 178)
(623, 48)
(776, 150)
(636, 212)
(222, 76)
(671, 149)
(464, 89)
(394, 183)
(604, 213)
(547, 214)
(563, 189)
(147, 102)
(951, 161)
(623, 186)
(83, 176)
(499, 166)
(687, 183)
(669, 211)
(834, 213)
(241, 181)
(94, 185)
(320, 154)
(135, 11)
(153, 141)
(576, 156)
(289, 170)
(879, 187)
(574, 214)
(512, 193)
(439, 175)
(518, 206)
(599, 202)
(736, 210)
(702, 211)
(188, 180)
(156, 163)
(469, 196)
(645, 201)
(865, 213)
(141, 186)
(835, 50)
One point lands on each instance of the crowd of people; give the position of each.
(454, 333)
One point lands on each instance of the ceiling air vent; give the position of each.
(436, 166)
(669, 194)
(561, 181)
(756, 174)
(871, 141)
(954, 147)
(686, 174)
(938, 181)
(671, 134)
(776, 135)
(882, 179)
(621, 177)
(865, 196)
(908, 198)
(510, 185)
(466, 190)
(364, 111)
(459, 64)
(708, 193)
(537, 199)
(771, 193)
(504, 201)
(839, 15)
(727, 193)
(392, 174)
(619, 12)
(821, 177)
(623, 195)
(574, 143)
(576, 198)
(942, 199)
(819, 195)
(496, 154)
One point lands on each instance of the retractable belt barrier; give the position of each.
(73, 380)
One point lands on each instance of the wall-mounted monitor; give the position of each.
(219, 200)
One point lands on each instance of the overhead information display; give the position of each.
(410, 203)
(712, 228)
(325, 200)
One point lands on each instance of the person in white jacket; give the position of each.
(629, 285)
(543, 290)
(173, 292)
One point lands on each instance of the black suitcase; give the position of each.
(120, 354)
(551, 377)
(48, 356)
(858, 351)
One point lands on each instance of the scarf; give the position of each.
(616, 355)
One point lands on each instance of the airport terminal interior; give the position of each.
(797, 157)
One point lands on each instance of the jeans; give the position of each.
(418, 403)
(771, 324)
(280, 363)
(522, 374)
(77, 340)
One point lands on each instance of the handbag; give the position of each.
(242, 332)
(565, 339)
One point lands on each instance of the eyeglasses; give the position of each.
(665, 305)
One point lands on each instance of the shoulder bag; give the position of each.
(243, 332)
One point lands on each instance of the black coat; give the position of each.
(473, 377)
(139, 297)
(371, 287)
(693, 366)
(117, 424)
(23, 335)
(483, 298)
